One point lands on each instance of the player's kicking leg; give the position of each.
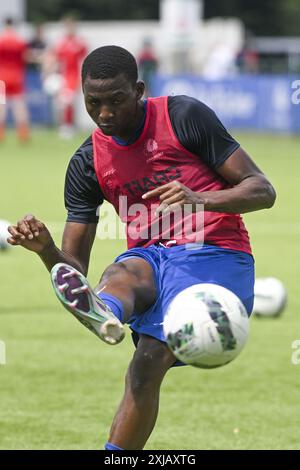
(129, 284)
(131, 281)
(77, 296)
(137, 413)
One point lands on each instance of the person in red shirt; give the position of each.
(69, 54)
(148, 64)
(12, 73)
(168, 154)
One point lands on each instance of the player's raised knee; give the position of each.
(116, 270)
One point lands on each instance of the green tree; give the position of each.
(263, 18)
(52, 10)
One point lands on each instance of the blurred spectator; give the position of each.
(13, 51)
(247, 59)
(68, 55)
(36, 49)
(147, 64)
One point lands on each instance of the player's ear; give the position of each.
(140, 89)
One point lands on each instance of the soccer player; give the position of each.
(147, 64)
(13, 51)
(69, 54)
(160, 155)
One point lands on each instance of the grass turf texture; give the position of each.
(61, 385)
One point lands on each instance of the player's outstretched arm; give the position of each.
(77, 242)
(250, 190)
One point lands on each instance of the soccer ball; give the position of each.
(270, 297)
(206, 326)
(4, 234)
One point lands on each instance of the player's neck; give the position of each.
(137, 122)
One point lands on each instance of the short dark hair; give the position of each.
(108, 62)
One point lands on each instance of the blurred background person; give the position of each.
(147, 63)
(37, 47)
(67, 56)
(13, 49)
(247, 59)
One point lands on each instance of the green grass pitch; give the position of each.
(61, 385)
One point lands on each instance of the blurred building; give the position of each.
(15, 9)
(278, 55)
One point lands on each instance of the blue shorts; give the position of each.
(178, 267)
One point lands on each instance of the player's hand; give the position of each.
(30, 233)
(174, 196)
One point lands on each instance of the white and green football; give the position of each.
(206, 326)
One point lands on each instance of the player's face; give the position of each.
(114, 104)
